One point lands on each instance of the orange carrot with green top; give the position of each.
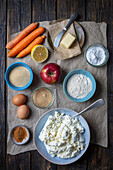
(27, 40)
(21, 35)
(28, 49)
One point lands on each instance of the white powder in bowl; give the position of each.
(19, 76)
(96, 55)
(79, 86)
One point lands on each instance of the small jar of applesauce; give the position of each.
(42, 97)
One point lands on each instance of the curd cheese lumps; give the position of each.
(67, 41)
(63, 136)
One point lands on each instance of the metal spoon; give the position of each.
(97, 103)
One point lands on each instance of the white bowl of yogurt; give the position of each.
(97, 55)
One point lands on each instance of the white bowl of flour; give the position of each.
(97, 55)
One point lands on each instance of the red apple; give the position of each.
(51, 73)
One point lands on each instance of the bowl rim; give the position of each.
(19, 143)
(77, 116)
(84, 99)
(103, 47)
(16, 64)
(51, 94)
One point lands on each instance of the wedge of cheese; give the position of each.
(67, 41)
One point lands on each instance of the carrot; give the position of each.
(22, 35)
(27, 40)
(28, 49)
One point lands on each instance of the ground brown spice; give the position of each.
(42, 97)
(19, 134)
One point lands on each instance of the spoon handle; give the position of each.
(97, 103)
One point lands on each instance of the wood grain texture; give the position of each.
(107, 16)
(15, 16)
(67, 7)
(92, 14)
(42, 10)
(19, 16)
(70, 6)
(102, 11)
(2, 84)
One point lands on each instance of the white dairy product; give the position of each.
(62, 136)
(96, 55)
(79, 86)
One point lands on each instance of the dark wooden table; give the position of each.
(15, 15)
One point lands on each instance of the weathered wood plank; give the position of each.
(18, 17)
(42, 11)
(102, 11)
(95, 151)
(64, 10)
(2, 83)
(107, 16)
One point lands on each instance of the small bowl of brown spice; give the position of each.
(19, 135)
(42, 97)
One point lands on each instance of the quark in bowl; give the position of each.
(41, 147)
(63, 136)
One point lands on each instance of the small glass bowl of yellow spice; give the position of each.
(19, 135)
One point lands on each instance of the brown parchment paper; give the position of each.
(62, 53)
(96, 118)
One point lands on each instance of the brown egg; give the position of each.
(19, 99)
(23, 112)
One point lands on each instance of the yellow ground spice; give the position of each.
(19, 134)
